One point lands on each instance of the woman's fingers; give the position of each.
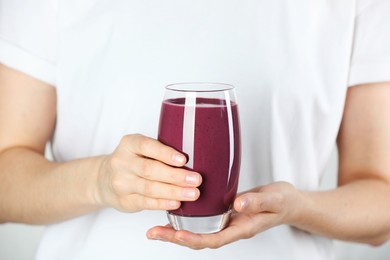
(151, 148)
(256, 211)
(157, 171)
(280, 198)
(125, 184)
(160, 190)
(252, 203)
(242, 226)
(136, 202)
(143, 173)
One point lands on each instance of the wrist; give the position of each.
(306, 212)
(96, 187)
(299, 204)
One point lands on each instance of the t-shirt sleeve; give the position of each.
(28, 37)
(370, 61)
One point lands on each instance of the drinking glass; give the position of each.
(201, 121)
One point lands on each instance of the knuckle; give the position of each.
(120, 185)
(145, 169)
(150, 204)
(145, 145)
(161, 204)
(130, 140)
(280, 201)
(161, 150)
(125, 140)
(115, 161)
(143, 203)
(134, 137)
(116, 183)
(128, 204)
(147, 188)
(172, 177)
(261, 205)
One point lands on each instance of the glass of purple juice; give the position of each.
(201, 120)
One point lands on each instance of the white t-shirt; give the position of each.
(110, 60)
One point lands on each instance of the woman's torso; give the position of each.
(288, 61)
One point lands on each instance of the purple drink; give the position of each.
(214, 149)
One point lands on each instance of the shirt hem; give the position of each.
(369, 72)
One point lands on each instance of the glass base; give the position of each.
(200, 225)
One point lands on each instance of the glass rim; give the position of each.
(199, 87)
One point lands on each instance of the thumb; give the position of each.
(257, 202)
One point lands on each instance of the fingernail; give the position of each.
(178, 158)
(192, 179)
(189, 193)
(244, 204)
(156, 237)
(172, 204)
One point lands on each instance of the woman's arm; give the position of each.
(358, 210)
(137, 175)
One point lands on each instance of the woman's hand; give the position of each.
(142, 173)
(256, 210)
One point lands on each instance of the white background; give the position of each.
(19, 242)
